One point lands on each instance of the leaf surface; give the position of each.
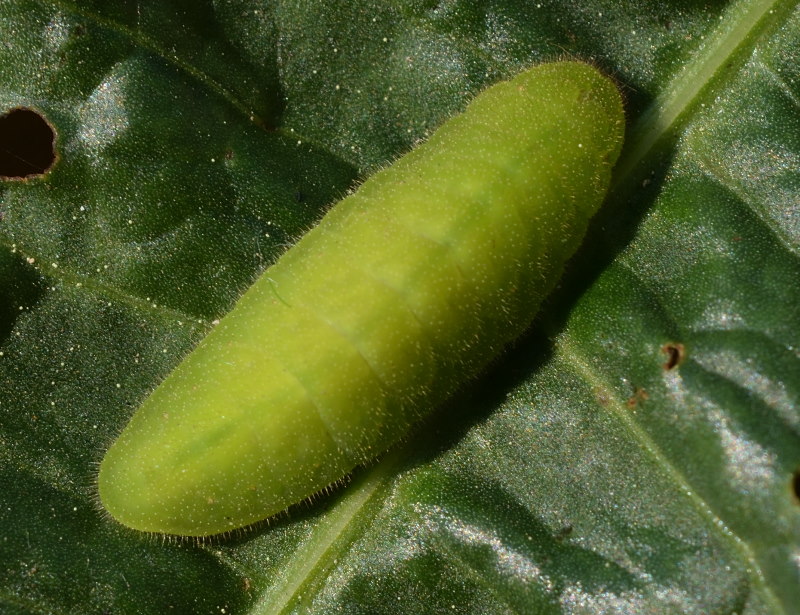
(637, 451)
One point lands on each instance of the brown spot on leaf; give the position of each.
(639, 395)
(675, 354)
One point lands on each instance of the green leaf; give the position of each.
(638, 451)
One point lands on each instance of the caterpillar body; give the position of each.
(406, 289)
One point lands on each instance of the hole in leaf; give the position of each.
(796, 485)
(675, 355)
(27, 144)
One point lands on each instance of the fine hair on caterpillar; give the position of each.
(406, 289)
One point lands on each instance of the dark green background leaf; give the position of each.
(583, 473)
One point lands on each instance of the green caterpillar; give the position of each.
(406, 289)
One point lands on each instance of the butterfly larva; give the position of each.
(406, 289)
